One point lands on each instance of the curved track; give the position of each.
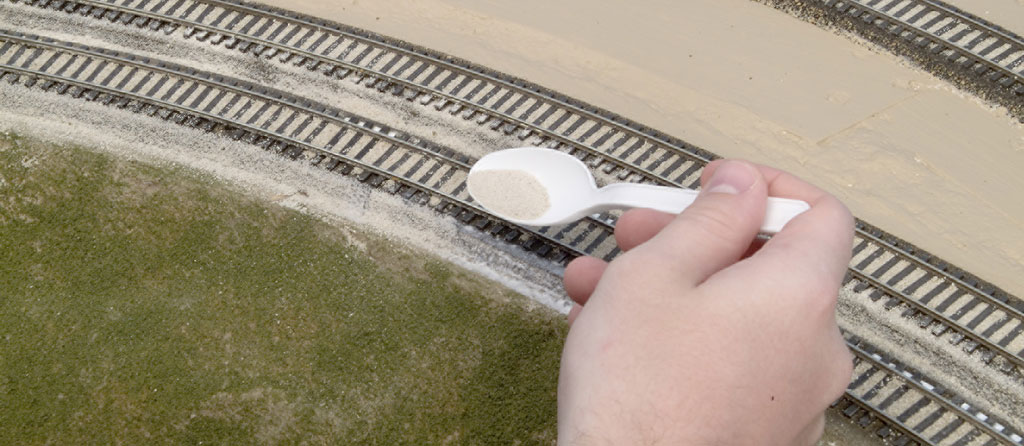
(946, 301)
(915, 410)
(943, 39)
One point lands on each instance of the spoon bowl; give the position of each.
(571, 193)
(568, 183)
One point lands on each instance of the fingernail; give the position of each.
(731, 177)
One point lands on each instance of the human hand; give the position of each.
(698, 335)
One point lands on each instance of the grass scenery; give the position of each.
(153, 305)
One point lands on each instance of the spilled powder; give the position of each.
(515, 194)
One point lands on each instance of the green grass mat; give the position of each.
(153, 305)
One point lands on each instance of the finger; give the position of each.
(816, 243)
(637, 226)
(718, 228)
(710, 170)
(828, 226)
(754, 247)
(574, 312)
(581, 277)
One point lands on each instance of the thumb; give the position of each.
(718, 228)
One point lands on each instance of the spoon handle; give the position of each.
(778, 211)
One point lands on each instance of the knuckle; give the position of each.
(629, 264)
(638, 267)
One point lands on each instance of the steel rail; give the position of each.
(979, 23)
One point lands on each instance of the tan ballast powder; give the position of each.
(514, 194)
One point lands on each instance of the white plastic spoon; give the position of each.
(532, 186)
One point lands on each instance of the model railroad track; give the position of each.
(418, 170)
(915, 411)
(942, 37)
(946, 301)
(607, 143)
(971, 43)
(513, 107)
(984, 320)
